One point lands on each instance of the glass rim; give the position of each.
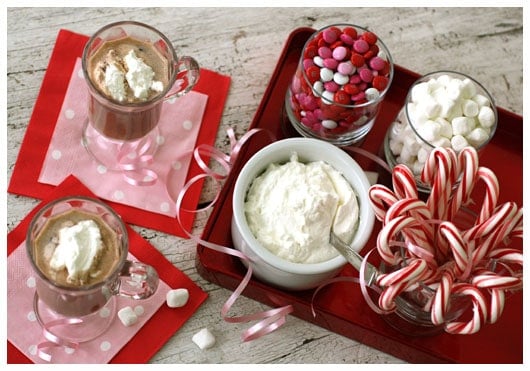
(379, 41)
(143, 104)
(84, 288)
(424, 78)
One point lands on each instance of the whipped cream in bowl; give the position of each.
(288, 198)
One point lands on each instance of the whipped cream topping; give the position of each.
(78, 249)
(291, 209)
(132, 72)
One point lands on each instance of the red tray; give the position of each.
(341, 307)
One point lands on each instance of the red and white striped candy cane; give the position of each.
(480, 311)
(468, 167)
(440, 303)
(387, 236)
(492, 192)
(458, 248)
(403, 182)
(440, 173)
(381, 198)
(389, 294)
(423, 235)
(409, 273)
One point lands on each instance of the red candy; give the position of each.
(380, 82)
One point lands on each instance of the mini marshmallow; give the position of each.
(478, 136)
(430, 131)
(469, 89)
(177, 298)
(454, 89)
(417, 167)
(446, 129)
(423, 154)
(486, 117)
(429, 107)
(462, 125)
(481, 100)
(469, 108)
(127, 316)
(419, 91)
(458, 142)
(395, 146)
(204, 339)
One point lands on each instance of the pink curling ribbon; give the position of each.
(54, 340)
(133, 161)
(269, 320)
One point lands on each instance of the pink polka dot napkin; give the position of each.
(137, 344)
(179, 127)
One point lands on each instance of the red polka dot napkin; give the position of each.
(47, 112)
(136, 344)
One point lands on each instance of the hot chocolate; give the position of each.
(131, 74)
(76, 249)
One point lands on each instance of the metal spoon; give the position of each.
(353, 257)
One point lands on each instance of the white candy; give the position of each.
(318, 87)
(317, 60)
(326, 74)
(329, 124)
(372, 94)
(127, 316)
(341, 79)
(204, 339)
(458, 142)
(462, 125)
(328, 95)
(470, 108)
(177, 298)
(486, 117)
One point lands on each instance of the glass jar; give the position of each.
(341, 79)
(442, 109)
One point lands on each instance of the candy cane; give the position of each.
(403, 182)
(458, 247)
(389, 294)
(386, 236)
(468, 167)
(440, 302)
(409, 273)
(422, 236)
(479, 311)
(492, 192)
(439, 173)
(381, 198)
(497, 301)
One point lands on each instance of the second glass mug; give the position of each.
(110, 123)
(92, 304)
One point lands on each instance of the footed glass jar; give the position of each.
(442, 109)
(342, 77)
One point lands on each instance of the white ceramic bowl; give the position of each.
(265, 265)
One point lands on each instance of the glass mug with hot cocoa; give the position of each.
(131, 69)
(78, 248)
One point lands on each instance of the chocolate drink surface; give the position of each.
(58, 256)
(129, 75)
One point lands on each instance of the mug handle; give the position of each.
(188, 72)
(137, 280)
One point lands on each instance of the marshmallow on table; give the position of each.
(204, 339)
(127, 316)
(177, 298)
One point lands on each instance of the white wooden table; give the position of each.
(245, 43)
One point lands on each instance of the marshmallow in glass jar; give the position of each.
(341, 79)
(442, 109)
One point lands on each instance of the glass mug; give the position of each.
(110, 122)
(92, 304)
